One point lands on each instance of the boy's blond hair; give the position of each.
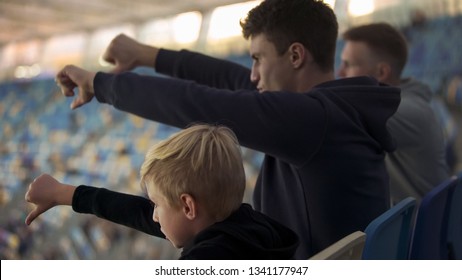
(203, 161)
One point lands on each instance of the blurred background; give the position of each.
(100, 146)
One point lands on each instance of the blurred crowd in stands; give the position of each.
(96, 146)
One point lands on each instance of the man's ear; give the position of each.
(189, 206)
(298, 55)
(384, 71)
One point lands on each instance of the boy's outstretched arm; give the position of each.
(46, 192)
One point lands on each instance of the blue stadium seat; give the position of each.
(388, 236)
(455, 223)
(429, 241)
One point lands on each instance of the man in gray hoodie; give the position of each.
(418, 164)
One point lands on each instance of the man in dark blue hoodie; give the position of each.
(324, 140)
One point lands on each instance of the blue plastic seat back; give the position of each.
(455, 223)
(388, 236)
(429, 241)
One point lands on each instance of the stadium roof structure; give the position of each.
(23, 20)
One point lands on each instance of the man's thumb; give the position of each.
(76, 103)
(117, 69)
(32, 215)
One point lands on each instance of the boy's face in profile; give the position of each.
(173, 220)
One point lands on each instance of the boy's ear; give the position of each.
(189, 206)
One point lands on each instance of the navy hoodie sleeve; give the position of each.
(202, 69)
(125, 209)
(263, 122)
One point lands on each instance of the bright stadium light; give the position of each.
(225, 20)
(331, 3)
(35, 70)
(186, 27)
(358, 8)
(20, 72)
(27, 72)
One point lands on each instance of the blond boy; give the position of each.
(195, 183)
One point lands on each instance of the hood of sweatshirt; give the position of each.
(414, 88)
(246, 234)
(365, 111)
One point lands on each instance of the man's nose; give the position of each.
(341, 72)
(254, 76)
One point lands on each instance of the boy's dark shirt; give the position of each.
(323, 174)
